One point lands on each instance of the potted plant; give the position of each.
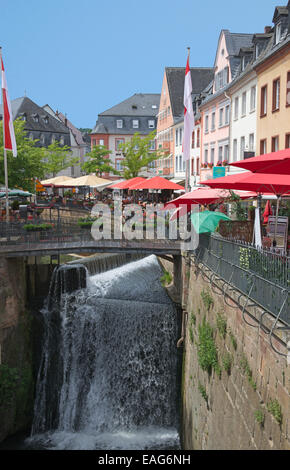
(225, 163)
(210, 165)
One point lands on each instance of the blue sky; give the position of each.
(82, 57)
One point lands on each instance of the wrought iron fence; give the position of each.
(263, 276)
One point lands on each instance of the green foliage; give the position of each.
(227, 362)
(29, 163)
(233, 340)
(9, 379)
(99, 162)
(274, 408)
(260, 417)
(207, 299)
(37, 227)
(247, 371)
(57, 158)
(191, 335)
(138, 155)
(202, 391)
(237, 209)
(193, 318)
(221, 325)
(166, 278)
(206, 351)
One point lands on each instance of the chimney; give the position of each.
(267, 29)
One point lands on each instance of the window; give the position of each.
(287, 141)
(263, 146)
(176, 138)
(220, 153)
(242, 148)
(213, 121)
(151, 124)
(118, 164)
(253, 99)
(236, 108)
(276, 95)
(152, 145)
(251, 142)
(180, 162)
(235, 150)
(119, 123)
(288, 90)
(275, 144)
(221, 119)
(206, 124)
(61, 140)
(206, 156)
(42, 139)
(180, 136)
(45, 119)
(53, 139)
(118, 142)
(278, 30)
(264, 100)
(101, 142)
(193, 140)
(135, 123)
(176, 164)
(198, 138)
(226, 152)
(227, 114)
(244, 104)
(212, 155)
(35, 117)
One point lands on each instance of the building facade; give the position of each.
(117, 125)
(273, 82)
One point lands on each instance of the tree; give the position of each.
(57, 158)
(138, 154)
(99, 163)
(29, 161)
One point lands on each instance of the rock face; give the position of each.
(16, 374)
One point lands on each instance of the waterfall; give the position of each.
(108, 377)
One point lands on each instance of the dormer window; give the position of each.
(278, 31)
(23, 116)
(119, 123)
(256, 51)
(135, 123)
(35, 117)
(45, 119)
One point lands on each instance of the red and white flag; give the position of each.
(9, 135)
(188, 113)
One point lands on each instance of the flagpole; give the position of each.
(187, 161)
(5, 159)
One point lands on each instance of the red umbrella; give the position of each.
(258, 182)
(267, 212)
(157, 182)
(127, 183)
(274, 163)
(207, 196)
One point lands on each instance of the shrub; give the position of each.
(166, 278)
(37, 227)
(227, 362)
(221, 325)
(207, 299)
(207, 352)
(274, 408)
(202, 391)
(260, 417)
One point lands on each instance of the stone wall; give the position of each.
(16, 370)
(235, 386)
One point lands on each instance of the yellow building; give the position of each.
(273, 73)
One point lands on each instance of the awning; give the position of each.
(178, 180)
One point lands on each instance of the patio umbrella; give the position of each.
(56, 181)
(260, 182)
(127, 183)
(207, 221)
(207, 196)
(15, 192)
(92, 181)
(157, 182)
(274, 163)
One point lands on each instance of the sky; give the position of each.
(84, 56)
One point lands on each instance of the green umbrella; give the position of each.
(207, 221)
(15, 192)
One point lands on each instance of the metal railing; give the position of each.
(262, 276)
